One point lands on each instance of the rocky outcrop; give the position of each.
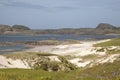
(19, 27)
(4, 28)
(104, 26)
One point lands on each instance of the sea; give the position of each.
(23, 38)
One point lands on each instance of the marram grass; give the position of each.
(107, 71)
(112, 42)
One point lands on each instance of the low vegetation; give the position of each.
(19, 27)
(114, 51)
(110, 47)
(112, 42)
(107, 71)
(90, 56)
(39, 60)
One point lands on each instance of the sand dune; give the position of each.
(78, 52)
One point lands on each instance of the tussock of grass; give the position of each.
(113, 51)
(101, 50)
(112, 42)
(106, 71)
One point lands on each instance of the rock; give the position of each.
(4, 28)
(104, 26)
(19, 27)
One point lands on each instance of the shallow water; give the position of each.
(10, 49)
(22, 38)
(19, 38)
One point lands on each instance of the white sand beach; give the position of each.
(11, 63)
(81, 49)
(78, 52)
(85, 48)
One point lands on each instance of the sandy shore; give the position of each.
(78, 53)
(82, 49)
(85, 48)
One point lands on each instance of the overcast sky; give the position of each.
(43, 14)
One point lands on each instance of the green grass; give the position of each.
(24, 74)
(112, 42)
(106, 45)
(108, 71)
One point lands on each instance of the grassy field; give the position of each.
(108, 71)
(112, 42)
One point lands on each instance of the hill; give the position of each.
(15, 29)
(102, 28)
(4, 28)
(19, 27)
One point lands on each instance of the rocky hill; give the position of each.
(104, 26)
(6, 29)
(19, 27)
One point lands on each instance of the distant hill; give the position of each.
(6, 29)
(104, 26)
(19, 27)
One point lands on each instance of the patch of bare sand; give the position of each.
(10, 63)
(82, 49)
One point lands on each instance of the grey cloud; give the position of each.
(66, 7)
(21, 4)
(33, 6)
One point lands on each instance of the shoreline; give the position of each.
(66, 49)
(82, 54)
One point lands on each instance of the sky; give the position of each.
(55, 14)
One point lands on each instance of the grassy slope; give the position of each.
(112, 42)
(107, 44)
(109, 71)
